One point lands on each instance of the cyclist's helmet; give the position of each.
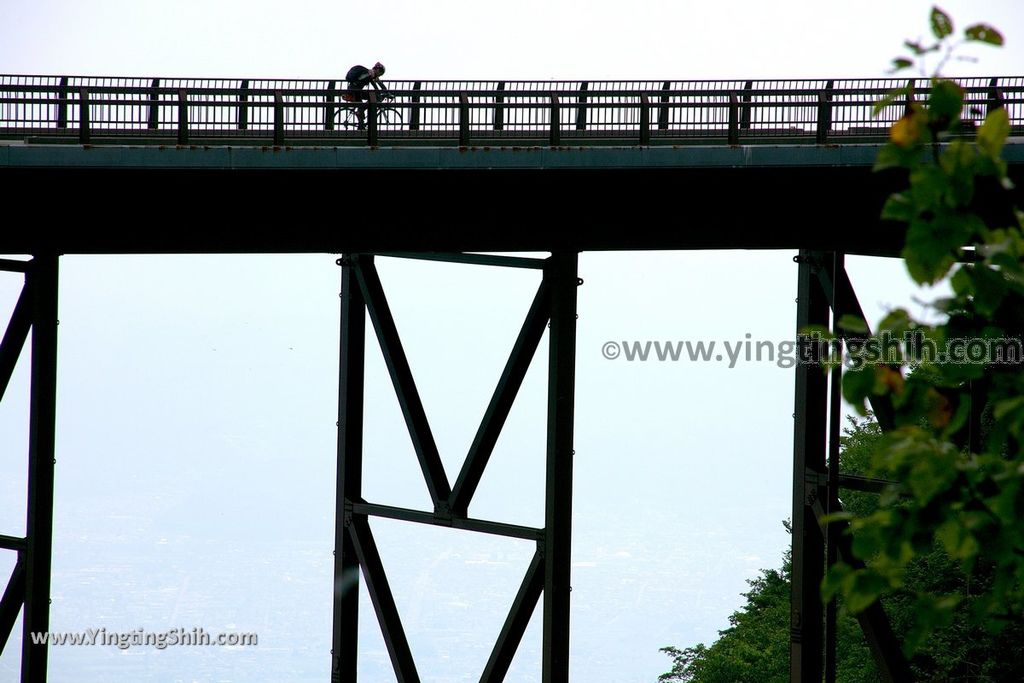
(379, 68)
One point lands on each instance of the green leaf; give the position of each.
(898, 207)
(989, 289)
(942, 25)
(896, 321)
(839, 576)
(959, 162)
(894, 156)
(858, 383)
(918, 49)
(993, 133)
(930, 614)
(946, 101)
(832, 517)
(957, 540)
(1010, 405)
(983, 33)
(931, 246)
(853, 323)
(961, 282)
(902, 63)
(867, 587)
(930, 475)
(890, 99)
(927, 186)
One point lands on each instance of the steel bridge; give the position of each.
(479, 166)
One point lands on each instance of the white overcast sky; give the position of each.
(198, 394)
(480, 39)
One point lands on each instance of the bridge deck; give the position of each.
(185, 165)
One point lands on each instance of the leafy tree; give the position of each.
(944, 544)
(956, 453)
(755, 646)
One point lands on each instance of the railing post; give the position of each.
(734, 119)
(153, 120)
(995, 97)
(745, 113)
(556, 125)
(243, 106)
(329, 108)
(62, 103)
(414, 110)
(663, 110)
(499, 107)
(581, 107)
(371, 119)
(278, 119)
(83, 116)
(824, 118)
(182, 117)
(911, 84)
(824, 113)
(645, 119)
(463, 119)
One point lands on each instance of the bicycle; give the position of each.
(387, 113)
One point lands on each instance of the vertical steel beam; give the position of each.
(835, 416)
(562, 276)
(885, 649)
(351, 364)
(42, 278)
(806, 615)
(842, 290)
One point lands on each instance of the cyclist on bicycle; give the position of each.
(358, 77)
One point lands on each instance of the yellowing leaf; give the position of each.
(906, 132)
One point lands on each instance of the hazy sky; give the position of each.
(198, 395)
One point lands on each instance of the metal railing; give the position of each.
(225, 111)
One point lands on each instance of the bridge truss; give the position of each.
(61, 112)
